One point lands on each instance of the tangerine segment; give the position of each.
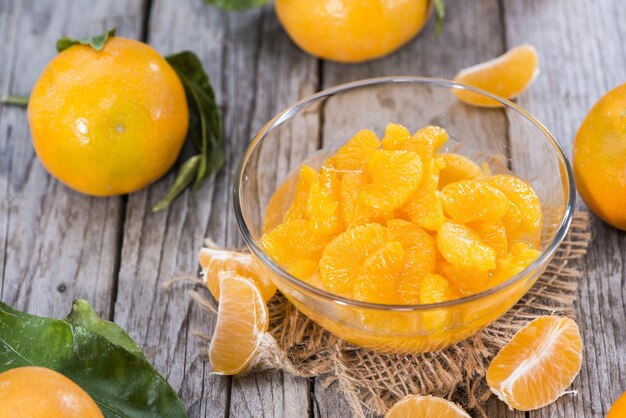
(298, 207)
(506, 76)
(356, 153)
(457, 168)
(427, 140)
(538, 364)
(322, 207)
(395, 176)
(462, 247)
(522, 195)
(420, 257)
(214, 260)
(396, 137)
(416, 406)
(469, 200)
(492, 233)
(468, 281)
(377, 280)
(521, 255)
(354, 211)
(295, 245)
(435, 289)
(242, 321)
(424, 206)
(343, 256)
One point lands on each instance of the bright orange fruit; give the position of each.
(599, 158)
(419, 248)
(506, 76)
(618, 409)
(322, 207)
(111, 121)
(395, 176)
(355, 154)
(214, 260)
(538, 364)
(416, 406)
(492, 233)
(435, 289)
(354, 211)
(521, 255)
(462, 247)
(470, 200)
(38, 392)
(298, 207)
(526, 201)
(295, 245)
(351, 30)
(377, 279)
(467, 281)
(343, 256)
(242, 321)
(457, 168)
(424, 206)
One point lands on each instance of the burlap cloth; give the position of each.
(372, 381)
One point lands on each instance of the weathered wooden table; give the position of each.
(56, 245)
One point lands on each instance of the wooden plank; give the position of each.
(581, 58)
(56, 244)
(472, 34)
(255, 74)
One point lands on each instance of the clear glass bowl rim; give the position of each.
(290, 111)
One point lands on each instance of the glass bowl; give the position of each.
(507, 139)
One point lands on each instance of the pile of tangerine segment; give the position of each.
(392, 221)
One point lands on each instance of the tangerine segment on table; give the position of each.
(538, 364)
(214, 259)
(416, 406)
(242, 321)
(380, 217)
(506, 76)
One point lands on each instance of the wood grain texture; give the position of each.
(582, 56)
(55, 244)
(255, 73)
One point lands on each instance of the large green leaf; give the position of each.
(122, 383)
(83, 315)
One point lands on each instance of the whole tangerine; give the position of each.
(38, 392)
(352, 30)
(600, 158)
(111, 121)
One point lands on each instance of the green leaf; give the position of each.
(96, 42)
(236, 4)
(440, 15)
(21, 101)
(184, 178)
(123, 384)
(205, 126)
(83, 315)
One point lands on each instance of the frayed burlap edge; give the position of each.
(372, 381)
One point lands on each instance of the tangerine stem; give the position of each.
(15, 100)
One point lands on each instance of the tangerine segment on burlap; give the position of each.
(372, 381)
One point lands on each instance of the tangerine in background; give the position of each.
(352, 30)
(600, 158)
(111, 121)
(37, 392)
